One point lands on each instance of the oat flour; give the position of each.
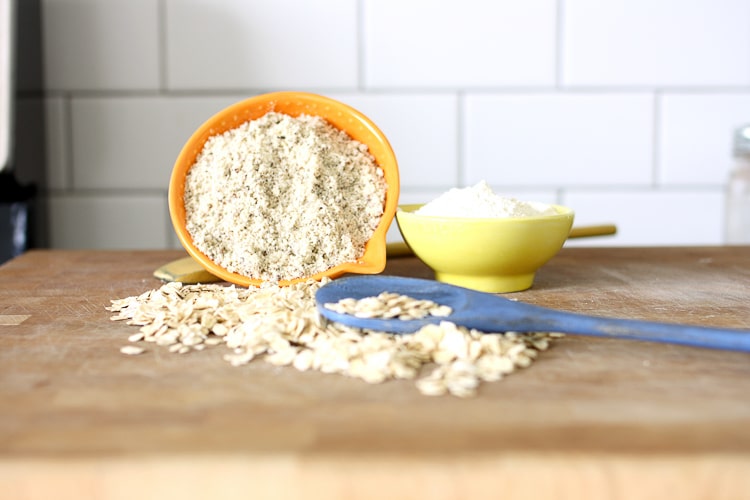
(280, 198)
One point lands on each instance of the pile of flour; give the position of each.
(480, 202)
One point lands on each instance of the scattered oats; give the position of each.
(219, 329)
(282, 357)
(304, 359)
(132, 350)
(461, 383)
(281, 326)
(136, 337)
(522, 361)
(434, 384)
(166, 340)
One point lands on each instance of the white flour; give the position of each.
(480, 202)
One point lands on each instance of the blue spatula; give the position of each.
(493, 313)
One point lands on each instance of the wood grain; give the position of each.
(596, 418)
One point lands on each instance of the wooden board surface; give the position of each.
(598, 418)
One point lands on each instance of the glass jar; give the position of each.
(737, 216)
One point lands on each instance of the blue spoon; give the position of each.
(493, 313)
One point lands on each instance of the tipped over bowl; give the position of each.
(341, 116)
(488, 254)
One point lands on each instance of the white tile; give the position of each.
(525, 194)
(695, 139)
(173, 241)
(422, 129)
(220, 44)
(470, 43)
(543, 140)
(93, 44)
(133, 142)
(108, 222)
(662, 43)
(649, 218)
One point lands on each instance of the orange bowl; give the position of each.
(341, 116)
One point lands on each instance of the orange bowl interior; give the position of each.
(341, 116)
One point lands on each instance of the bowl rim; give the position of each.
(293, 103)
(563, 212)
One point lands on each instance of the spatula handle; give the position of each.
(542, 319)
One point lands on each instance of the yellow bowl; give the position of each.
(491, 255)
(341, 116)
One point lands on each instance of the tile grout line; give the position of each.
(161, 16)
(69, 133)
(417, 91)
(360, 19)
(558, 44)
(655, 136)
(460, 136)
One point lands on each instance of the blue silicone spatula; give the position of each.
(493, 313)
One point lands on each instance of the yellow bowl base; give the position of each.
(492, 284)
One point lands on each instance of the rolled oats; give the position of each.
(281, 325)
(389, 305)
(131, 350)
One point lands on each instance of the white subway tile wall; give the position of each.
(100, 45)
(422, 129)
(559, 140)
(622, 109)
(651, 217)
(230, 44)
(459, 43)
(138, 138)
(696, 135)
(108, 221)
(654, 42)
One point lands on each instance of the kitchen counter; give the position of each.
(591, 418)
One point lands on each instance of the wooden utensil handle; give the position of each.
(598, 230)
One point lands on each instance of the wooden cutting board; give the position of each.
(592, 418)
